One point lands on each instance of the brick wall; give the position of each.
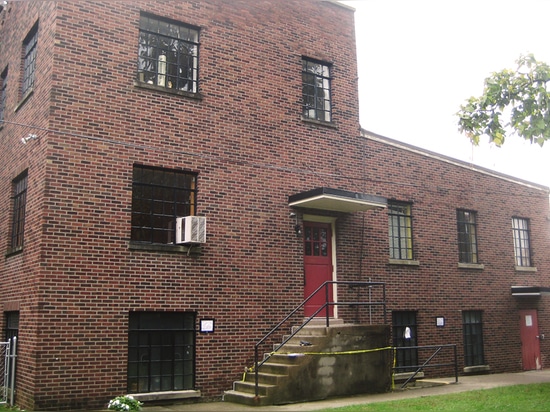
(77, 279)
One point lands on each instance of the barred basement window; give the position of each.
(404, 330)
(19, 188)
(12, 324)
(316, 96)
(400, 230)
(161, 351)
(467, 236)
(168, 54)
(158, 197)
(522, 242)
(29, 60)
(473, 338)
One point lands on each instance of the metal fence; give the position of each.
(7, 370)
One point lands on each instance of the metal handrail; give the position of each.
(438, 349)
(325, 307)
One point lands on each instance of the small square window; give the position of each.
(168, 54)
(159, 196)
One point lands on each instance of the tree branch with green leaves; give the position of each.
(512, 102)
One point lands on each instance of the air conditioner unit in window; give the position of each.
(191, 229)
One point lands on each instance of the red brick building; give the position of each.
(120, 117)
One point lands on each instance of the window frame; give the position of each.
(11, 322)
(3, 95)
(472, 332)
(154, 338)
(406, 360)
(466, 221)
(158, 198)
(316, 77)
(400, 244)
(167, 74)
(521, 233)
(19, 206)
(29, 52)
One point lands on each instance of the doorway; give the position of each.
(318, 266)
(530, 344)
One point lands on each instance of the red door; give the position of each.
(530, 345)
(317, 266)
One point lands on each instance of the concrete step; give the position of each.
(265, 378)
(242, 398)
(290, 358)
(250, 387)
(276, 368)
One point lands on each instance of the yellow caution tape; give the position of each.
(352, 352)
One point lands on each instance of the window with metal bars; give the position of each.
(159, 196)
(161, 351)
(316, 95)
(12, 324)
(522, 242)
(404, 331)
(168, 54)
(473, 338)
(3, 95)
(19, 190)
(29, 60)
(467, 236)
(400, 230)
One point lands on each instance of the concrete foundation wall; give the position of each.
(329, 370)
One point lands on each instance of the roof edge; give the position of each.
(461, 163)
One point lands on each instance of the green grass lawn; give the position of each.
(525, 398)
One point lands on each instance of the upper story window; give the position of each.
(19, 190)
(159, 196)
(467, 236)
(522, 242)
(316, 98)
(400, 230)
(29, 60)
(3, 87)
(168, 54)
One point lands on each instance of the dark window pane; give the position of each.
(159, 196)
(155, 360)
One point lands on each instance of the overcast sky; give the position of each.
(420, 60)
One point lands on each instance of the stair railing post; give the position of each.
(327, 302)
(456, 365)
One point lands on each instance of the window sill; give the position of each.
(477, 266)
(14, 251)
(196, 96)
(526, 269)
(404, 262)
(166, 396)
(319, 122)
(477, 369)
(24, 99)
(189, 250)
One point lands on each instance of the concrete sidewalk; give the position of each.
(447, 385)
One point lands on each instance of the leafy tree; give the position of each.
(520, 96)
